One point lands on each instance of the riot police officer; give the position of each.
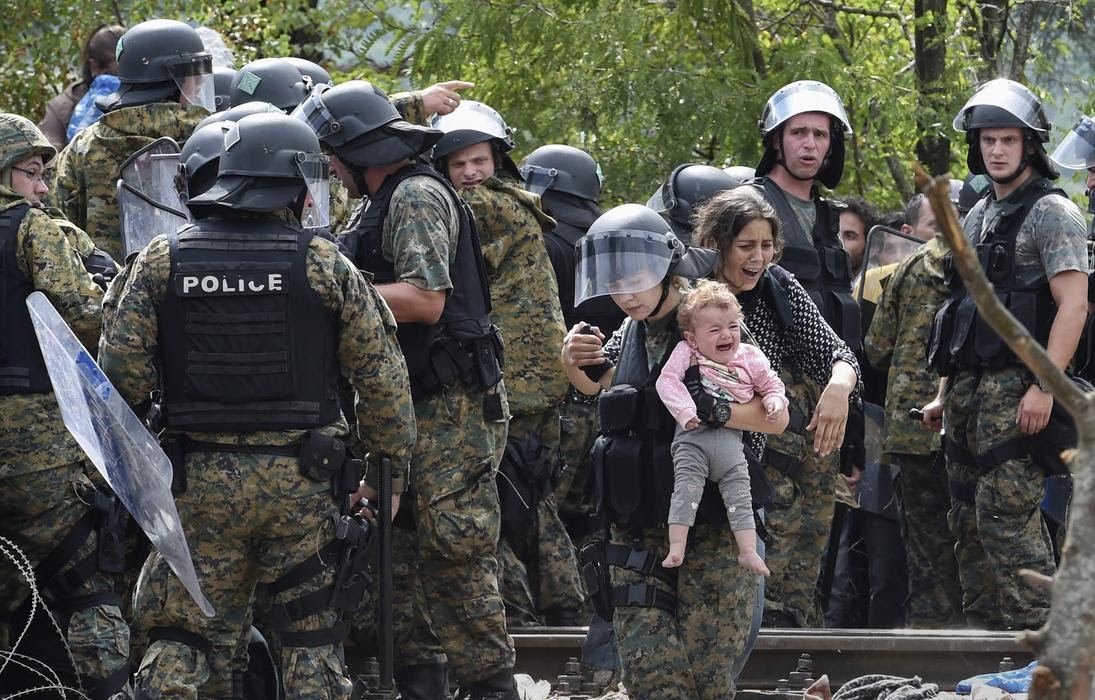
(803, 128)
(667, 645)
(241, 325)
(414, 234)
(166, 88)
(474, 153)
(49, 505)
(1030, 240)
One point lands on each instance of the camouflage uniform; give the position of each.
(87, 171)
(801, 514)
(525, 301)
(689, 655)
(250, 518)
(995, 515)
(459, 614)
(46, 485)
(895, 342)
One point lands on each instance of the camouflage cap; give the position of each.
(20, 139)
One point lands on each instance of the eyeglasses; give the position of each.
(32, 175)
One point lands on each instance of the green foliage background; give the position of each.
(641, 84)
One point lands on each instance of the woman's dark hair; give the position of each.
(718, 222)
(99, 47)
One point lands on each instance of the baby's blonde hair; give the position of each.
(707, 294)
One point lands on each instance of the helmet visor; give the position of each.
(659, 201)
(619, 262)
(539, 180)
(1010, 97)
(315, 114)
(148, 199)
(1077, 150)
(193, 76)
(802, 97)
(315, 169)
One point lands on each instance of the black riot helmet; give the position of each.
(686, 189)
(234, 114)
(1006, 103)
(471, 123)
(741, 174)
(273, 80)
(222, 87)
(564, 169)
(357, 121)
(1077, 152)
(630, 249)
(199, 159)
(802, 97)
(268, 162)
(158, 60)
(311, 71)
(200, 155)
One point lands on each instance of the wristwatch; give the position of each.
(720, 412)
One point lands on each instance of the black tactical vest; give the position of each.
(22, 370)
(245, 343)
(960, 338)
(466, 316)
(818, 261)
(633, 451)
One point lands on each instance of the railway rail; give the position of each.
(939, 656)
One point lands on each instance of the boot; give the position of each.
(500, 686)
(422, 682)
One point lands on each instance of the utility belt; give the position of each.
(474, 362)
(596, 558)
(321, 458)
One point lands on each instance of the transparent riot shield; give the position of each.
(875, 492)
(148, 199)
(115, 440)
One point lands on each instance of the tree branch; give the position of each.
(858, 10)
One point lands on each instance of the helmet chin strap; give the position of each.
(665, 295)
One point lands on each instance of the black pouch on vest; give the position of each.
(320, 456)
(488, 358)
(623, 474)
(784, 464)
(617, 407)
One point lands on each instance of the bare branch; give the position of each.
(858, 10)
(992, 311)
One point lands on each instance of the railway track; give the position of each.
(939, 656)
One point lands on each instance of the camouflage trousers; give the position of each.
(574, 493)
(935, 596)
(549, 559)
(995, 515)
(249, 519)
(37, 510)
(801, 514)
(689, 655)
(447, 600)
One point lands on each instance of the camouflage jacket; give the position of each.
(523, 291)
(896, 342)
(368, 351)
(32, 435)
(87, 171)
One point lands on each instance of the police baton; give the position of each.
(385, 631)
